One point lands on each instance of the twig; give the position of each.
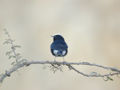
(13, 47)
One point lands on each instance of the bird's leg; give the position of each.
(55, 59)
(63, 59)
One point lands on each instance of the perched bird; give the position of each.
(58, 47)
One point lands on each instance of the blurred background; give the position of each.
(91, 29)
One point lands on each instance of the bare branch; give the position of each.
(23, 63)
(12, 53)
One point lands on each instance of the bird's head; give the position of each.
(57, 37)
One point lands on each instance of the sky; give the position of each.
(90, 28)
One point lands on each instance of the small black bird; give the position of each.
(59, 47)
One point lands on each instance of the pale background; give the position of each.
(90, 27)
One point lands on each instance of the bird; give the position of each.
(59, 48)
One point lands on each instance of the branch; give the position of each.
(24, 63)
(54, 65)
(12, 52)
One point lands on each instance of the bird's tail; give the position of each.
(59, 53)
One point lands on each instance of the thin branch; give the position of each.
(24, 63)
(94, 74)
(12, 47)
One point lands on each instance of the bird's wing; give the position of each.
(59, 45)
